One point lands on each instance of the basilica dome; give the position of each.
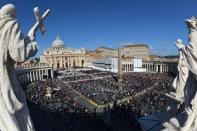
(58, 42)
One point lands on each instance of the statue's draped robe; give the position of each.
(14, 113)
(190, 90)
(180, 80)
(190, 57)
(190, 52)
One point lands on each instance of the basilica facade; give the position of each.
(58, 56)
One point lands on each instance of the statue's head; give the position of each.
(191, 23)
(8, 10)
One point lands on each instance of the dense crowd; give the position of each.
(104, 90)
(137, 95)
(55, 95)
(145, 91)
(153, 100)
(101, 91)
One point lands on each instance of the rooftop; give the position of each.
(135, 45)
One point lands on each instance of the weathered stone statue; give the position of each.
(190, 54)
(180, 80)
(14, 47)
(186, 80)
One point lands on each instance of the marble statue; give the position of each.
(186, 81)
(180, 80)
(14, 47)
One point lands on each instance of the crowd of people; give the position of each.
(54, 94)
(138, 93)
(101, 90)
(104, 90)
(151, 101)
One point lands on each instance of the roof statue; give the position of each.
(15, 47)
(185, 82)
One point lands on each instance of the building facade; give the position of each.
(140, 51)
(58, 56)
(105, 58)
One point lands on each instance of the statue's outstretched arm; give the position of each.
(21, 48)
(179, 44)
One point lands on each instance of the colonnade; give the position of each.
(127, 67)
(28, 75)
(167, 67)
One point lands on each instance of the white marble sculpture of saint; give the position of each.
(190, 51)
(189, 56)
(179, 82)
(14, 47)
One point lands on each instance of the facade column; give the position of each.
(156, 68)
(33, 75)
(46, 72)
(37, 77)
(68, 61)
(30, 75)
(129, 67)
(164, 68)
(27, 75)
(52, 73)
(39, 74)
(148, 67)
(167, 68)
(160, 69)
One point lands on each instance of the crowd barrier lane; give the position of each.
(92, 102)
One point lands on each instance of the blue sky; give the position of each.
(94, 23)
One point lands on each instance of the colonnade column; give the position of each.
(156, 68)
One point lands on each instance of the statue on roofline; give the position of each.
(186, 82)
(15, 47)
